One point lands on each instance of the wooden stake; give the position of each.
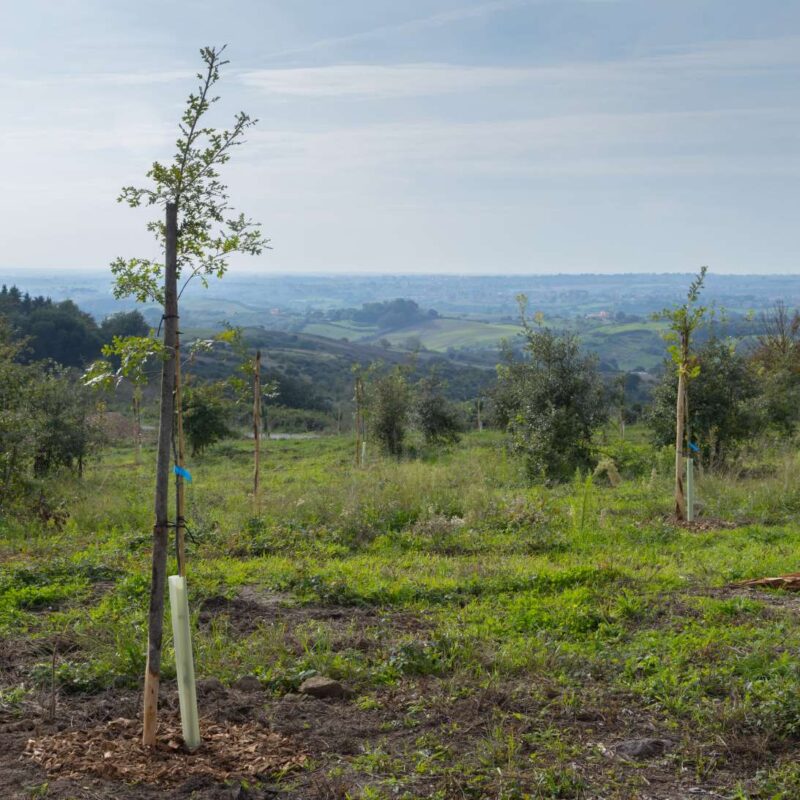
(180, 487)
(53, 692)
(359, 423)
(256, 426)
(158, 579)
(137, 422)
(680, 418)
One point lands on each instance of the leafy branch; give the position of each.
(208, 234)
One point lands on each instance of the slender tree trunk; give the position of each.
(680, 417)
(161, 527)
(358, 422)
(256, 425)
(137, 423)
(687, 424)
(180, 460)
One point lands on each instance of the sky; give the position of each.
(448, 136)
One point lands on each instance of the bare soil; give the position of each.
(331, 737)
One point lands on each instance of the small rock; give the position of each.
(210, 686)
(321, 687)
(642, 748)
(247, 683)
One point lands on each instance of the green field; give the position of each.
(633, 345)
(629, 345)
(339, 330)
(501, 640)
(437, 334)
(445, 332)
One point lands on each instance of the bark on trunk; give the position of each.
(256, 426)
(680, 417)
(359, 426)
(161, 527)
(137, 422)
(180, 460)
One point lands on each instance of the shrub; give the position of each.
(436, 418)
(388, 402)
(632, 460)
(722, 406)
(205, 417)
(65, 430)
(552, 401)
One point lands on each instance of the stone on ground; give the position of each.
(319, 686)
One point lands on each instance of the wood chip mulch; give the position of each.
(114, 752)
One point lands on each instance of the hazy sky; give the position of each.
(444, 136)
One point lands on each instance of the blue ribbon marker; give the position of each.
(692, 446)
(184, 473)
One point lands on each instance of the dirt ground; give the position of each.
(332, 733)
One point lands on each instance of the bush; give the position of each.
(776, 361)
(65, 429)
(436, 417)
(46, 423)
(205, 417)
(388, 401)
(551, 402)
(631, 460)
(723, 410)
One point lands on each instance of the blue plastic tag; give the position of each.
(184, 473)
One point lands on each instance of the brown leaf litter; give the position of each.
(114, 751)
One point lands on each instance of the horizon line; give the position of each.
(94, 271)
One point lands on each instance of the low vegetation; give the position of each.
(501, 639)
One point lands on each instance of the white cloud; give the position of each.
(682, 143)
(97, 79)
(378, 80)
(736, 54)
(729, 58)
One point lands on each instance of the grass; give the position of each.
(446, 332)
(504, 635)
(631, 345)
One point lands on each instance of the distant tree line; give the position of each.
(386, 315)
(60, 330)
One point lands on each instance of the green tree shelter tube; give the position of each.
(689, 490)
(184, 663)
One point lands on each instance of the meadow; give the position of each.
(497, 639)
